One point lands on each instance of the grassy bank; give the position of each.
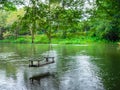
(42, 39)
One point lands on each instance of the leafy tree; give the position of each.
(3, 17)
(106, 18)
(67, 15)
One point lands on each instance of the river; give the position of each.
(76, 67)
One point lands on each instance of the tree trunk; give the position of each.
(32, 33)
(32, 38)
(49, 33)
(1, 34)
(16, 33)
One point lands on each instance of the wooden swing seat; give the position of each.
(38, 63)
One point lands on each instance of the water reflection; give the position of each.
(9, 83)
(88, 74)
(76, 67)
(80, 74)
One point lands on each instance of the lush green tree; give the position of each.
(102, 19)
(67, 15)
(105, 20)
(3, 17)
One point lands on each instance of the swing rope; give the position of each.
(50, 50)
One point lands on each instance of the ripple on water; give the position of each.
(7, 55)
(83, 77)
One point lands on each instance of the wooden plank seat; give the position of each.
(48, 57)
(41, 62)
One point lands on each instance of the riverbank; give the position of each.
(42, 39)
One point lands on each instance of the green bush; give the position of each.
(21, 40)
(41, 39)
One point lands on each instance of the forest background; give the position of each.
(59, 21)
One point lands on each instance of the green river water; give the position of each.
(76, 67)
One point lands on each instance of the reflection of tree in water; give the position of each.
(65, 61)
(10, 69)
(109, 65)
(25, 50)
(31, 50)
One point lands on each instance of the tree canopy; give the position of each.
(99, 18)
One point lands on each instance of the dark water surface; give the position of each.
(76, 67)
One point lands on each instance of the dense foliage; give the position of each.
(63, 19)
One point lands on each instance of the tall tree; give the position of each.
(107, 12)
(3, 17)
